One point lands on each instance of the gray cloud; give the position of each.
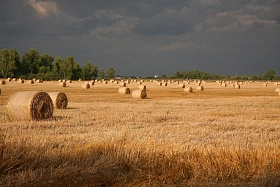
(220, 36)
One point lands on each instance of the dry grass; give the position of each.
(222, 136)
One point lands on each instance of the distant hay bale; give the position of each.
(123, 84)
(92, 83)
(237, 86)
(182, 85)
(69, 81)
(9, 79)
(63, 84)
(29, 105)
(139, 94)
(21, 81)
(3, 82)
(188, 89)
(124, 90)
(86, 85)
(59, 99)
(39, 81)
(201, 88)
(14, 79)
(164, 84)
(142, 87)
(31, 82)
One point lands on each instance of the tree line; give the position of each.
(33, 65)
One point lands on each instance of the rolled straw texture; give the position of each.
(124, 90)
(29, 105)
(139, 94)
(59, 99)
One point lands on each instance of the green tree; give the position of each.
(56, 68)
(89, 71)
(102, 73)
(14, 62)
(269, 75)
(31, 60)
(111, 73)
(9, 61)
(69, 69)
(4, 61)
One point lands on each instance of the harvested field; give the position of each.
(219, 137)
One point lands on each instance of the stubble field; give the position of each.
(222, 136)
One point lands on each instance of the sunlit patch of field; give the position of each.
(216, 137)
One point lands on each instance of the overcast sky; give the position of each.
(148, 37)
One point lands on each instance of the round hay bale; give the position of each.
(59, 99)
(21, 81)
(123, 84)
(29, 105)
(92, 83)
(69, 81)
(237, 86)
(31, 82)
(201, 88)
(124, 90)
(86, 85)
(188, 89)
(142, 87)
(164, 84)
(63, 84)
(9, 79)
(182, 85)
(3, 82)
(139, 94)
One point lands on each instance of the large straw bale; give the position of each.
(21, 81)
(3, 82)
(29, 105)
(30, 82)
(59, 99)
(139, 94)
(124, 90)
(9, 79)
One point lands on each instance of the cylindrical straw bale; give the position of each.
(139, 94)
(201, 88)
(237, 86)
(59, 99)
(142, 87)
(9, 79)
(92, 82)
(124, 90)
(123, 84)
(164, 84)
(31, 82)
(21, 81)
(63, 84)
(182, 85)
(86, 85)
(188, 89)
(3, 82)
(29, 105)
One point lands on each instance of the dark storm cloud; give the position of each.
(212, 35)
